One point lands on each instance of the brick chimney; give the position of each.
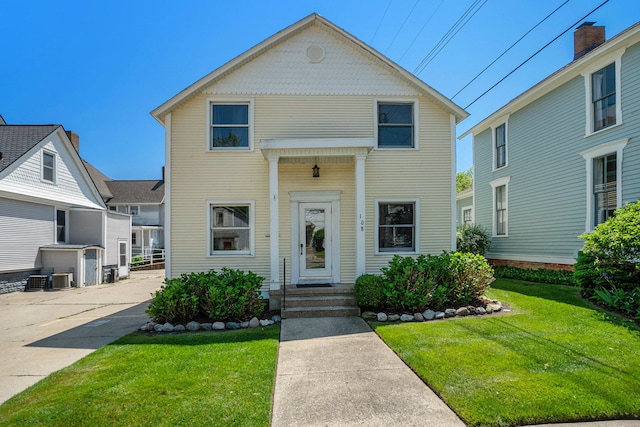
(75, 139)
(586, 38)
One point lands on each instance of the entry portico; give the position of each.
(316, 151)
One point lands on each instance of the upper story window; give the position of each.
(500, 144)
(396, 227)
(134, 210)
(48, 166)
(230, 124)
(396, 125)
(603, 97)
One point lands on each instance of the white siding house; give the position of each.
(310, 149)
(52, 218)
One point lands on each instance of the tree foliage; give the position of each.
(464, 180)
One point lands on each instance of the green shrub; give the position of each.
(625, 301)
(557, 277)
(472, 238)
(436, 281)
(368, 291)
(611, 252)
(137, 260)
(225, 296)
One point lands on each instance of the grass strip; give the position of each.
(213, 379)
(556, 359)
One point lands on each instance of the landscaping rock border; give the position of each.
(194, 326)
(488, 307)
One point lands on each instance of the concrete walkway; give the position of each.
(44, 331)
(335, 371)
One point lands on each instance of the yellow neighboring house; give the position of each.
(310, 149)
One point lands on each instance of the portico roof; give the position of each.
(309, 148)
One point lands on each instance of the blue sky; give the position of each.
(99, 68)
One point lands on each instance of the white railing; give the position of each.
(148, 256)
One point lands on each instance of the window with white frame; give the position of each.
(604, 181)
(395, 124)
(603, 97)
(230, 124)
(500, 206)
(396, 227)
(134, 210)
(466, 216)
(500, 146)
(48, 166)
(113, 208)
(61, 226)
(605, 185)
(231, 229)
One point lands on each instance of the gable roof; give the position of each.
(622, 40)
(160, 112)
(16, 140)
(136, 192)
(99, 179)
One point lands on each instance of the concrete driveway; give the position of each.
(44, 331)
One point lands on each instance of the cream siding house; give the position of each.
(310, 149)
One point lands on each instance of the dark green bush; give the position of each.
(610, 255)
(626, 301)
(472, 238)
(436, 281)
(368, 291)
(557, 277)
(224, 296)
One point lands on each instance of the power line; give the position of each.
(380, 23)
(539, 50)
(421, 30)
(453, 30)
(402, 26)
(508, 49)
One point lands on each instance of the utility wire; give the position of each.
(402, 26)
(539, 50)
(453, 30)
(508, 49)
(421, 30)
(380, 23)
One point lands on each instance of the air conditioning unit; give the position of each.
(61, 280)
(37, 282)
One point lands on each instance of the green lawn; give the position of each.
(555, 358)
(213, 379)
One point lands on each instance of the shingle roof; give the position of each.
(99, 179)
(16, 140)
(136, 192)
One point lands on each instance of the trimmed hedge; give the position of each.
(557, 277)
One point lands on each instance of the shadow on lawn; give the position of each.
(565, 295)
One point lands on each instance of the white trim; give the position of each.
(454, 196)
(416, 225)
(506, 144)
(532, 258)
(361, 258)
(274, 224)
(588, 156)
(494, 184)
(613, 57)
(53, 154)
(416, 122)
(328, 196)
(167, 196)
(466, 208)
(229, 254)
(228, 101)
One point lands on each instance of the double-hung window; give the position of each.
(466, 216)
(603, 97)
(230, 126)
(396, 127)
(396, 227)
(500, 138)
(230, 229)
(61, 226)
(500, 188)
(48, 166)
(605, 184)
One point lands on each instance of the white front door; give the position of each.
(315, 243)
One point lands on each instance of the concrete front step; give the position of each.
(320, 301)
(308, 312)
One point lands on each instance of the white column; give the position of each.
(361, 264)
(274, 227)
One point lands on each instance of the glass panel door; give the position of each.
(315, 240)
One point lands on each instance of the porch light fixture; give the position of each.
(316, 171)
